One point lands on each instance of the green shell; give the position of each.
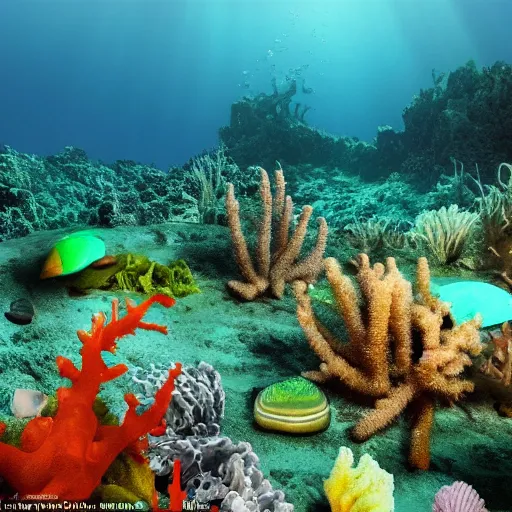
(79, 251)
(294, 393)
(295, 406)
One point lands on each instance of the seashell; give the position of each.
(27, 403)
(21, 312)
(458, 497)
(72, 254)
(295, 405)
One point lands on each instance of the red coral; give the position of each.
(176, 495)
(67, 455)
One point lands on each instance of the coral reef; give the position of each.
(407, 352)
(73, 442)
(276, 265)
(264, 126)
(465, 115)
(198, 400)
(219, 470)
(69, 190)
(215, 466)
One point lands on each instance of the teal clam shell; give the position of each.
(471, 297)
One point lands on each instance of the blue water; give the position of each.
(153, 80)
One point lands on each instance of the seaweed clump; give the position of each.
(137, 273)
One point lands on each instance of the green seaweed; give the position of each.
(322, 293)
(137, 273)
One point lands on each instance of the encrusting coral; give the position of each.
(67, 455)
(278, 265)
(402, 350)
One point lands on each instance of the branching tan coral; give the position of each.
(279, 264)
(399, 349)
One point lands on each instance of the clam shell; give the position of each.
(21, 312)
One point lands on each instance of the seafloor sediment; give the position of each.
(251, 345)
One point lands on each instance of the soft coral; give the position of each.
(67, 455)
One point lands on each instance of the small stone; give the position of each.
(21, 312)
(27, 403)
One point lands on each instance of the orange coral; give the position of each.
(67, 455)
(280, 264)
(499, 364)
(402, 350)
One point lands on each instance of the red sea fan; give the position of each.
(458, 497)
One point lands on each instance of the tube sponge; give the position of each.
(365, 488)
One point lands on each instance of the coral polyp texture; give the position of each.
(401, 350)
(279, 264)
(67, 455)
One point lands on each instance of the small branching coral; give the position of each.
(400, 350)
(499, 364)
(67, 455)
(276, 265)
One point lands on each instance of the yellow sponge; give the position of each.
(365, 488)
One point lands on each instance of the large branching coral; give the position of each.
(401, 350)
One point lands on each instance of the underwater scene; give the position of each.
(256, 256)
